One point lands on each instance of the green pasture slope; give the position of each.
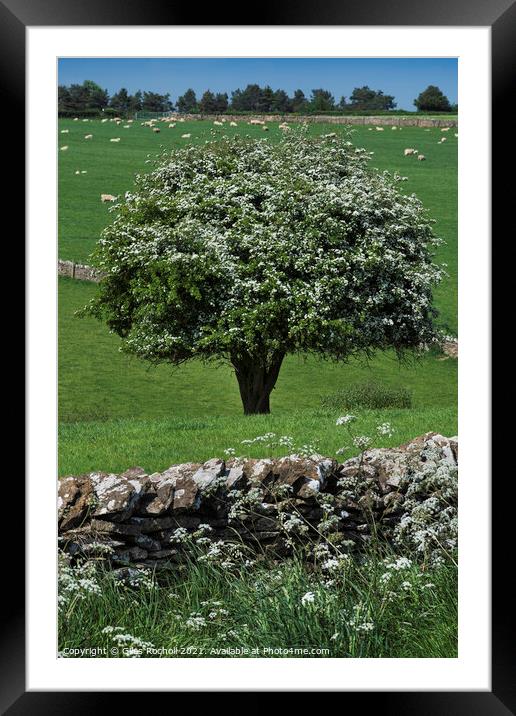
(116, 411)
(111, 166)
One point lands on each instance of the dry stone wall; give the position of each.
(78, 271)
(270, 505)
(395, 120)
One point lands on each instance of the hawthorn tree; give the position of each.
(245, 251)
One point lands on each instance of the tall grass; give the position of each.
(269, 609)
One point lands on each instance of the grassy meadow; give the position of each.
(115, 410)
(111, 166)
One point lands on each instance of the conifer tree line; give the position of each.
(90, 98)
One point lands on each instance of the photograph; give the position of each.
(258, 349)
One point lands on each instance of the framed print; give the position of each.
(244, 372)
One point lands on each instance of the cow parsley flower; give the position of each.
(345, 419)
(308, 598)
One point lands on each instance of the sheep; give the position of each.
(84, 171)
(65, 131)
(370, 129)
(257, 121)
(445, 129)
(88, 136)
(107, 197)
(85, 120)
(127, 126)
(171, 126)
(104, 120)
(186, 136)
(77, 172)
(63, 149)
(421, 157)
(218, 124)
(115, 139)
(394, 127)
(329, 136)
(181, 119)
(233, 124)
(76, 119)
(407, 152)
(265, 129)
(156, 129)
(379, 129)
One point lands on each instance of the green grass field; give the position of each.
(111, 166)
(116, 411)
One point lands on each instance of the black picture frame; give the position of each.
(500, 16)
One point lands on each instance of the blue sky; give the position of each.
(404, 78)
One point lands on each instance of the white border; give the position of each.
(471, 671)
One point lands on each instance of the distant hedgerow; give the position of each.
(369, 396)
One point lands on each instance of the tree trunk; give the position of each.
(256, 381)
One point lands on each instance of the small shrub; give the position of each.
(369, 396)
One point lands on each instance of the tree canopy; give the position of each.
(245, 250)
(89, 97)
(155, 102)
(432, 100)
(187, 102)
(322, 100)
(213, 103)
(364, 98)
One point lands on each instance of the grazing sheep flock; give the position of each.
(222, 123)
